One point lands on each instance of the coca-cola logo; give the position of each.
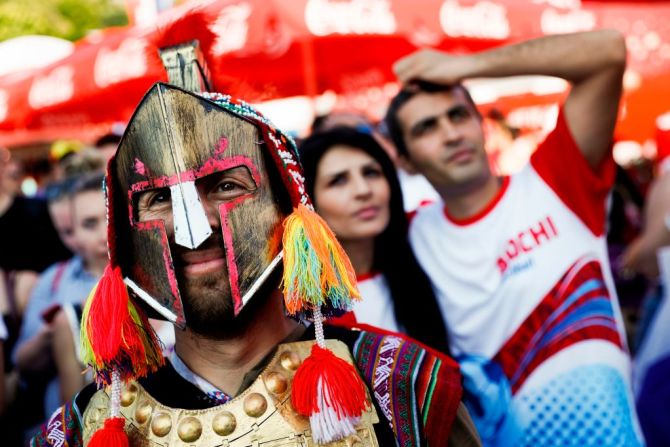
(231, 28)
(3, 105)
(561, 4)
(483, 20)
(556, 22)
(128, 61)
(53, 88)
(324, 17)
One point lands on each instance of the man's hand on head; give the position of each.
(433, 66)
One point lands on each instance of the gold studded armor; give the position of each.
(260, 416)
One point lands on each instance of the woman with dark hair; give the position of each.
(354, 187)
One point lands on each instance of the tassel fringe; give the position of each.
(111, 435)
(329, 391)
(115, 335)
(317, 271)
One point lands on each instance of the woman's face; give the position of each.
(352, 194)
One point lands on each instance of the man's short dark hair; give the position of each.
(391, 120)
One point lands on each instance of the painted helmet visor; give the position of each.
(192, 186)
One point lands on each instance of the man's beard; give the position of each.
(207, 299)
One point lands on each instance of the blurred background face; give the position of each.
(11, 178)
(352, 194)
(61, 216)
(445, 139)
(90, 227)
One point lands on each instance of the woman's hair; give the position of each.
(393, 256)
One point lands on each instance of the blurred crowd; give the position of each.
(374, 197)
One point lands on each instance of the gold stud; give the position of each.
(276, 383)
(143, 412)
(161, 424)
(255, 405)
(224, 423)
(128, 395)
(189, 429)
(289, 360)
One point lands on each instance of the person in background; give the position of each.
(87, 202)
(519, 263)
(57, 195)
(65, 282)
(106, 145)
(354, 186)
(649, 255)
(13, 175)
(28, 239)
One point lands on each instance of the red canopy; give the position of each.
(265, 49)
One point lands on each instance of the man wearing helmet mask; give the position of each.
(205, 201)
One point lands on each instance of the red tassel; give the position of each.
(330, 392)
(117, 335)
(111, 435)
(108, 315)
(345, 390)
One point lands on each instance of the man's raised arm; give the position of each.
(593, 62)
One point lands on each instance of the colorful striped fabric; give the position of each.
(62, 429)
(417, 389)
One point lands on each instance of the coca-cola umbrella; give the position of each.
(266, 49)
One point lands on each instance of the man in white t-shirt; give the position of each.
(519, 263)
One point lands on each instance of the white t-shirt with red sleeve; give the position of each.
(525, 284)
(375, 307)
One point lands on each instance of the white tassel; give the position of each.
(326, 426)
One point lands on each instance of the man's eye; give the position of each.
(458, 115)
(423, 128)
(160, 197)
(227, 186)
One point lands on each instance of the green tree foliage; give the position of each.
(68, 19)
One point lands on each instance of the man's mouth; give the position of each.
(462, 155)
(203, 261)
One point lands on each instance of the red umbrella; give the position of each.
(267, 49)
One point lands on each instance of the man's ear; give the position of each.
(406, 164)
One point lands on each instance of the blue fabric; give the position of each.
(589, 405)
(488, 397)
(653, 404)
